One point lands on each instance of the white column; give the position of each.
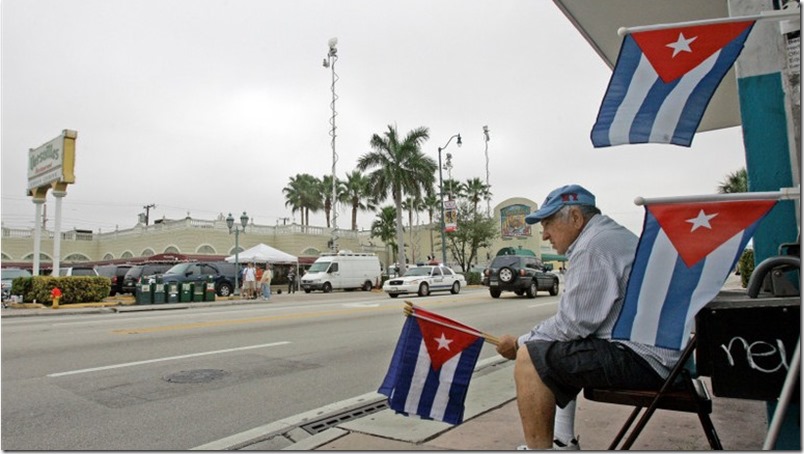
(37, 234)
(59, 195)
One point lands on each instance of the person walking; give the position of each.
(291, 280)
(265, 282)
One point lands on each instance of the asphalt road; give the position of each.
(174, 380)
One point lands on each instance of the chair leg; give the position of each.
(624, 428)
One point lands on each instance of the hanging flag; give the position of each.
(431, 367)
(684, 256)
(663, 81)
(450, 216)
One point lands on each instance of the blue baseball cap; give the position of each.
(571, 194)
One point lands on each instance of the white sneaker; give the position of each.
(557, 446)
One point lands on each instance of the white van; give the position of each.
(343, 270)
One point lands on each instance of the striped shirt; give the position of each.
(594, 291)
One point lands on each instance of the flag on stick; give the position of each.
(663, 81)
(684, 256)
(431, 367)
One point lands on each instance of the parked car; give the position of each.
(8, 276)
(78, 271)
(222, 273)
(135, 275)
(521, 274)
(424, 280)
(117, 274)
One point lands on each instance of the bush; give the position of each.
(74, 289)
(473, 278)
(746, 266)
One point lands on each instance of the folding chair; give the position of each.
(691, 397)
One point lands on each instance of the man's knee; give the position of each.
(524, 363)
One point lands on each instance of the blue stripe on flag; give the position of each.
(670, 333)
(642, 126)
(624, 70)
(460, 382)
(625, 321)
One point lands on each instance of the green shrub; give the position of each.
(746, 266)
(473, 278)
(74, 289)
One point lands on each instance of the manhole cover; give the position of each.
(195, 376)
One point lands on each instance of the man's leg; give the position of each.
(536, 403)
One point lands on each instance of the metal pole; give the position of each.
(443, 224)
(237, 261)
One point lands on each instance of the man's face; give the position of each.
(562, 229)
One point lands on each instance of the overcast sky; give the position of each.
(210, 106)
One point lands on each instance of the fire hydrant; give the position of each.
(56, 295)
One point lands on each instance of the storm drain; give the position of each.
(333, 420)
(195, 376)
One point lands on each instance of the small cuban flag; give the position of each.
(431, 368)
(663, 81)
(684, 256)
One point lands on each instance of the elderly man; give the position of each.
(573, 349)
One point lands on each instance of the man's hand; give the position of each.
(507, 347)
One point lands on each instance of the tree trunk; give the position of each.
(400, 236)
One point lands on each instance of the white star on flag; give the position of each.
(443, 342)
(702, 220)
(682, 45)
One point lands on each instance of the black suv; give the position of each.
(222, 273)
(523, 275)
(116, 273)
(137, 272)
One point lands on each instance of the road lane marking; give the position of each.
(169, 358)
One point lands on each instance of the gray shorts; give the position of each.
(568, 367)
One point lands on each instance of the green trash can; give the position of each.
(159, 293)
(186, 292)
(198, 291)
(210, 295)
(144, 294)
(172, 292)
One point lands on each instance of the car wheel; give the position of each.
(519, 292)
(307, 290)
(327, 287)
(531, 291)
(554, 288)
(456, 288)
(506, 274)
(393, 295)
(224, 290)
(495, 292)
(424, 289)
(367, 286)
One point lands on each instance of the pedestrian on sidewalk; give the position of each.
(291, 280)
(573, 349)
(265, 282)
(249, 282)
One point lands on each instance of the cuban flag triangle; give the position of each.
(684, 256)
(431, 367)
(663, 81)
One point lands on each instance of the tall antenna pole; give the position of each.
(329, 62)
(488, 186)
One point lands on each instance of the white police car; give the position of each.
(424, 280)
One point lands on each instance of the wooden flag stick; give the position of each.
(409, 311)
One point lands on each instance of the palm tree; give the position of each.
(384, 227)
(453, 189)
(325, 194)
(357, 194)
(475, 190)
(432, 204)
(735, 182)
(302, 194)
(412, 205)
(399, 168)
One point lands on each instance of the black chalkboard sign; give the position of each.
(745, 345)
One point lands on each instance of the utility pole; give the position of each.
(148, 211)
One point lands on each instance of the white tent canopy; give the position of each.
(262, 253)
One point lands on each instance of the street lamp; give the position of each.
(230, 223)
(488, 199)
(441, 192)
(329, 62)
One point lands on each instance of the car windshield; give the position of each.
(505, 261)
(319, 267)
(418, 271)
(181, 268)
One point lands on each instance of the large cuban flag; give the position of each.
(684, 256)
(663, 81)
(431, 367)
